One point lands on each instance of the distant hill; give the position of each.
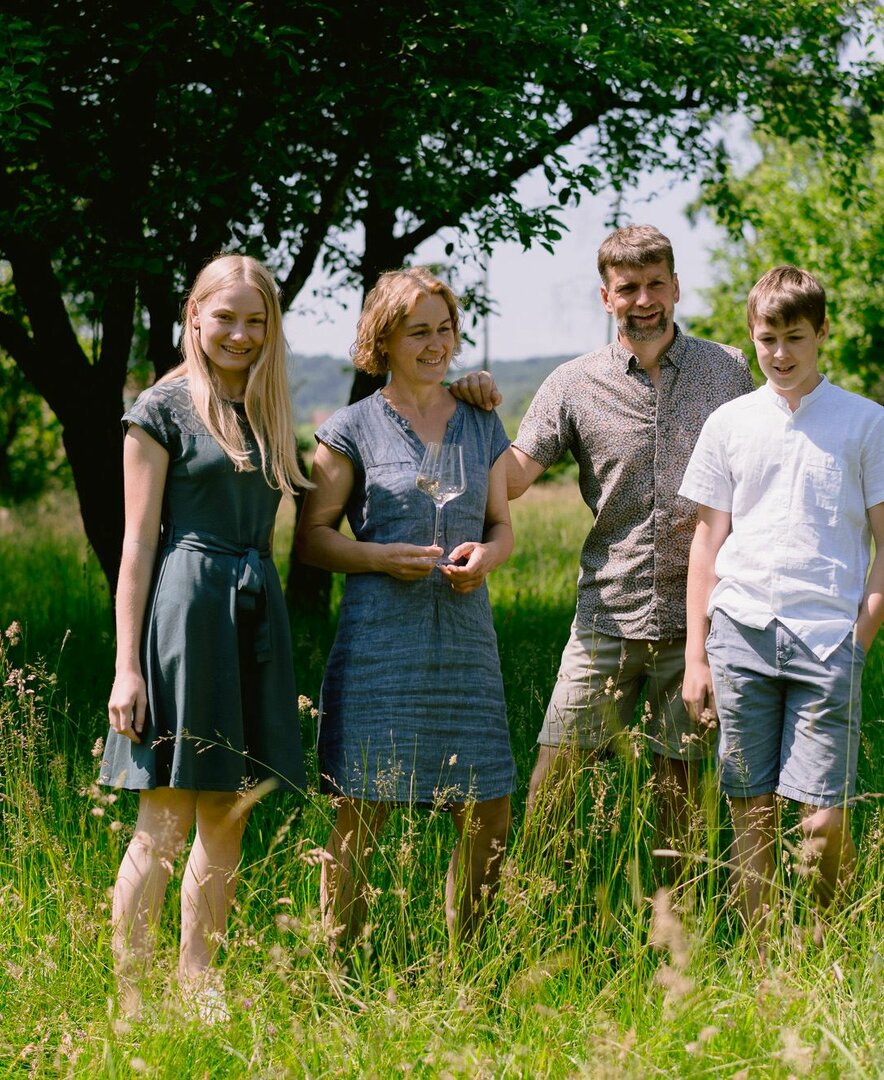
(323, 383)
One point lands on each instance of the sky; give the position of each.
(547, 305)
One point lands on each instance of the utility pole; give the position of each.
(486, 324)
(618, 205)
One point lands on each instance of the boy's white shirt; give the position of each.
(797, 486)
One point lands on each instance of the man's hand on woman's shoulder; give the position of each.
(478, 388)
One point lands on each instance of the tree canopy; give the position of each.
(790, 207)
(135, 143)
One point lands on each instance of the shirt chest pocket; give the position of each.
(391, 497)
(820, 495)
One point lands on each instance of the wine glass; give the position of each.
(441, 476)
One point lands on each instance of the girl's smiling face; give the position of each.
(419, 350)
(232, 325)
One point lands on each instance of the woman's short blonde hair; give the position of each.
(388, 303)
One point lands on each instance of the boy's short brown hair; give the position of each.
(784, 296)
(635, 246)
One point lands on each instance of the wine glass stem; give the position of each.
(436, 530)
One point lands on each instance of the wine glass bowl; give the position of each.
(441, 476)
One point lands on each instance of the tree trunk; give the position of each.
(94, 446)
(86, 398)
(308, 590)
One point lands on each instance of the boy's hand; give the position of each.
(697, 694)
(478, 389)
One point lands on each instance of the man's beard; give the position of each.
(636, 332)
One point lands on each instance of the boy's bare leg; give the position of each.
(829, 848)
(752, 854)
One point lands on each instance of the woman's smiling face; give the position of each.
(419, 350)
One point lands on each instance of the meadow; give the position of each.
(585, 969)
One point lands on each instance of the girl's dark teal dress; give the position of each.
(216, 648)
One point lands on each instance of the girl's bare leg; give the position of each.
(209, 883)
(345, 872)
(165, 816)
(474, 870)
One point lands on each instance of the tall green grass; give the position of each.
(581, 972)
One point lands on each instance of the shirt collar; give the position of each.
(675, 354)
(808, 399)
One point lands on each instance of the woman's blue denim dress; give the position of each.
(412, 706)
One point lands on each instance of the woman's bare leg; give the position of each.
(344, 878)
(474, 870)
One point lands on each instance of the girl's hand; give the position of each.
(127, 707)
(479, 564)
(408, 562)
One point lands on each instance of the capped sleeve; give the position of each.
(156, 411)
(340, 433)
(499, 439)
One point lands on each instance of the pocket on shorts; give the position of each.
(856, 649)
(713, 627)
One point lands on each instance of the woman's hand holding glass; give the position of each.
(480, 561)
(441, 477)
(409, 562)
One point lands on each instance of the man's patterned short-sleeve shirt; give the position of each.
(632, 441)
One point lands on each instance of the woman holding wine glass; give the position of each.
(412, 707)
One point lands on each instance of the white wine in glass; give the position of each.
(441, 476)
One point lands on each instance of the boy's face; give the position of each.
(788, 356)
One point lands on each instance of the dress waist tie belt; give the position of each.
(251, 597)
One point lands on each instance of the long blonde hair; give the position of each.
(267, 401)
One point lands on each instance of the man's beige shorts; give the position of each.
(600, 682)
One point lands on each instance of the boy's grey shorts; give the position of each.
(789, 721)
(598, 686)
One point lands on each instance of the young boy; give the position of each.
(790, 486)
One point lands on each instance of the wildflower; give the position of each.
(706, 1035)
(98, 748)
(795, 1054)
(667, 931)
(453, 759)
(675, 982)
(13, 632)
(315, 856)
